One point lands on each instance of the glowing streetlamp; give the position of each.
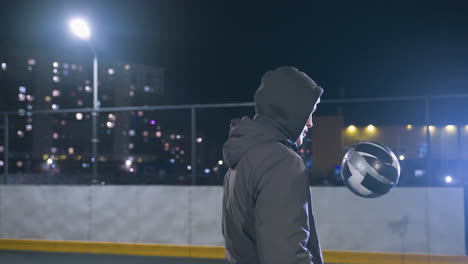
(80, 28)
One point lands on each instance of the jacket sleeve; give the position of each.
(282, 213)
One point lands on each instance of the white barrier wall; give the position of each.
(407, 220)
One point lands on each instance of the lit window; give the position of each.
(30, 68)
(55, 107)
(158, 134)
(172, 136)
(178, 136)
(55, 93)
(111, 117)
(2, 163)
(73, 66)
(140, 113)
(66, 65)
(47, 99)
(153, 122)
(189, 167)
(88, 88)
(147, 88)
(131, 146)
(4, 66)
(55, 71)
(79, 102)
(79, 116)
(20, 133)
(145, 133)
(71, 150)
(29, 107)
(199, 140)
(53, 150)
(131, 93)
(127, 67)
(21, 97)
(28, 127)
(110, 124)
(56, 79)
(131, 133)
(19, 164)
(31, 62)
(55, 64)
(110, 71)
(2, 148)
(30, 98)
(55, 135)
(22, 89)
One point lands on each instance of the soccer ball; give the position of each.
(370, 169)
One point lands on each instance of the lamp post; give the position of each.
(80, 28)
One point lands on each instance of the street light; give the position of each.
(80, 28)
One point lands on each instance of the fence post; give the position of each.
(194, 145)
(6, 139)
(428, 141)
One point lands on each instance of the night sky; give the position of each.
(216, 52)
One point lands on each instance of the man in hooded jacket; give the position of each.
(267, 208)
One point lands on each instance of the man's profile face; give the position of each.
(307, 126)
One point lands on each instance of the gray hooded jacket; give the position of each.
(267, 209)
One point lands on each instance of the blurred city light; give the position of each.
(351, 129)
(199, 140)
(189, 167)
(50, 161)
(401, 157)
(409, 127)
(220, 162)
(80, 28)
(370, 128)
(450, 128)
(419, 173)
(79, 116)
(448, 179)
(4, 66)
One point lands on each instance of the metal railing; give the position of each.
(425, 100)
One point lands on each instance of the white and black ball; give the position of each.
(370, 169)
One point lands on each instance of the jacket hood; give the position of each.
(245, 133)
(287, 96)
